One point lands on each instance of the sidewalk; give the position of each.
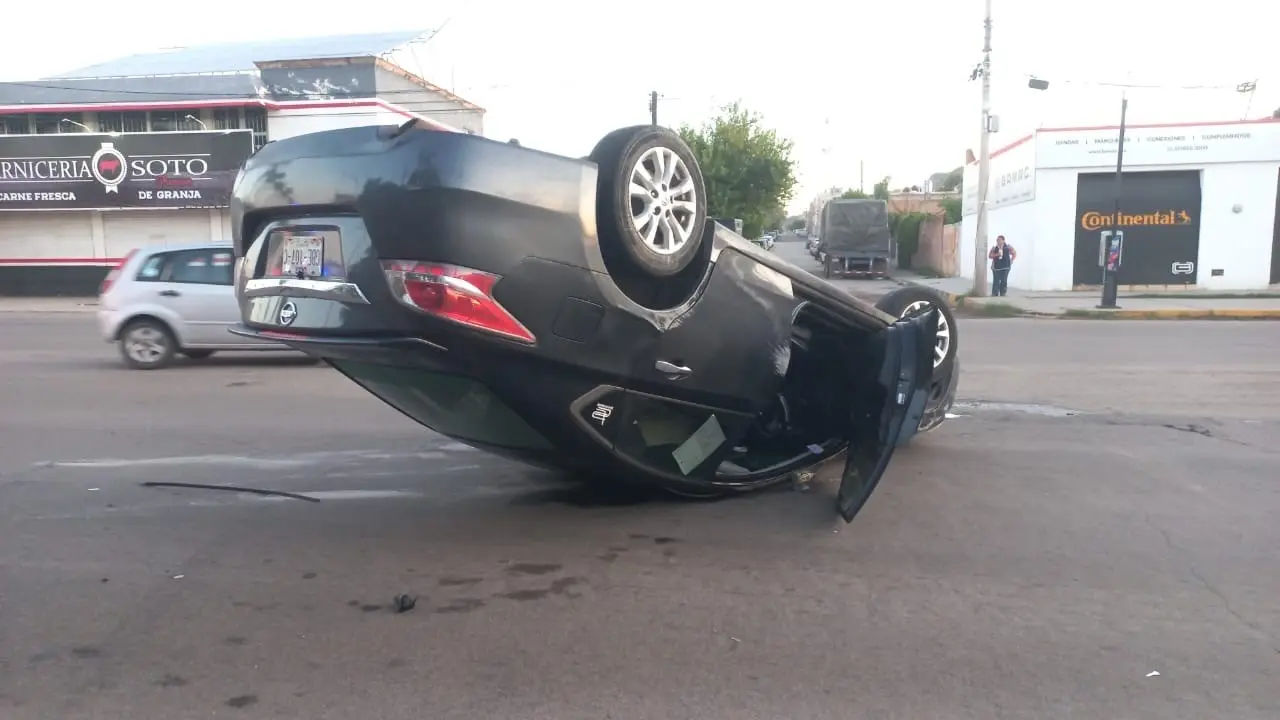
(1192, 305)
(48, 305)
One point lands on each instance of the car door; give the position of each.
(731, 349)
(891, 415)
(199, 289)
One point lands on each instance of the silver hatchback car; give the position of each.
(168, 301)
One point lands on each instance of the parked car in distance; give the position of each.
(162, 302)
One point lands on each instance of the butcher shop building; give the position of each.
(1199, 206)
(143, 151)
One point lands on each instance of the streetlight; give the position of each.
(1114, 237)
(69, 121)
(195, 119)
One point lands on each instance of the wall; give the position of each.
(1018, 223)
(410, 95)
(286, 123)
(937, 250)
(1238, 244)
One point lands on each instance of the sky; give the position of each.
(885, 86)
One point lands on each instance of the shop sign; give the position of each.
(1168, 145)
(89, 171)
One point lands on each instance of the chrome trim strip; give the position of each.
(294, 287)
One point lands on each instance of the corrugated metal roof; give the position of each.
(129, 90)
(230, 57)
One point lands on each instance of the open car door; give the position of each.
(877, 428)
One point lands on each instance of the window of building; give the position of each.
(121, 122)
(14, 125)
(255, 118)
(226, 119)
(51, 123)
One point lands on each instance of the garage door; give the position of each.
(45, 235)
(1160, 217)
(125, 230)
(48, 253)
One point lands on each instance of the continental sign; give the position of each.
(1097, 221)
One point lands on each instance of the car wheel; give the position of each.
(915, 300)
(651, 200)
(147, 345)
(198, 354)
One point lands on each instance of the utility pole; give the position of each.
(653, 107)
(860, 169)
(980, 241)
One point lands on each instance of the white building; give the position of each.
(1198, 205)
(64, 223)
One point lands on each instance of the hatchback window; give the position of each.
(449, 404)
(203, 267)
(153, 268)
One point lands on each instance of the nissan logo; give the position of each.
(288, 313)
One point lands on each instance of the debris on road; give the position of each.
(404, 603)
(232, 488)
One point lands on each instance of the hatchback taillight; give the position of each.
(453, 293)
(114, 275)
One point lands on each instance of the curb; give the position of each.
(1174, 314)
(958, 302)
(15, 308)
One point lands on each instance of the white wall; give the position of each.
(1239, 244)
(1018, 225)
(288, 123)
(411, 96)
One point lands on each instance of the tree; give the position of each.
(796, 223)
(747, 168)
(955, 179)
(881, 189)
(853, 195)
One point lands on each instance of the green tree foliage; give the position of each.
(906, 230)
(881, 190)
(952, 208)
(795, 223)
(954, 181)
(747, 168)
(853, 195)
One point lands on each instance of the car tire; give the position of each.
(658, 244)
(147, 344)
(915, 299)
(198, 354)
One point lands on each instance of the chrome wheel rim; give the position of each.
(943, 344)
(664, 200)
(146, 345)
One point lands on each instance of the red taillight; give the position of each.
(115, 273)
(454, 293)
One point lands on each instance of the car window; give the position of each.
(203, 267)
(153, 268)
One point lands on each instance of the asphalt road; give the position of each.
(1104, 509)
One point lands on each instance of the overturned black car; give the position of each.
(581, 314)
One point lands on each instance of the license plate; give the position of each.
(303, 255)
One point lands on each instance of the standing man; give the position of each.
(1002, 257)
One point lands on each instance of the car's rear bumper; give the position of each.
(109, 324)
